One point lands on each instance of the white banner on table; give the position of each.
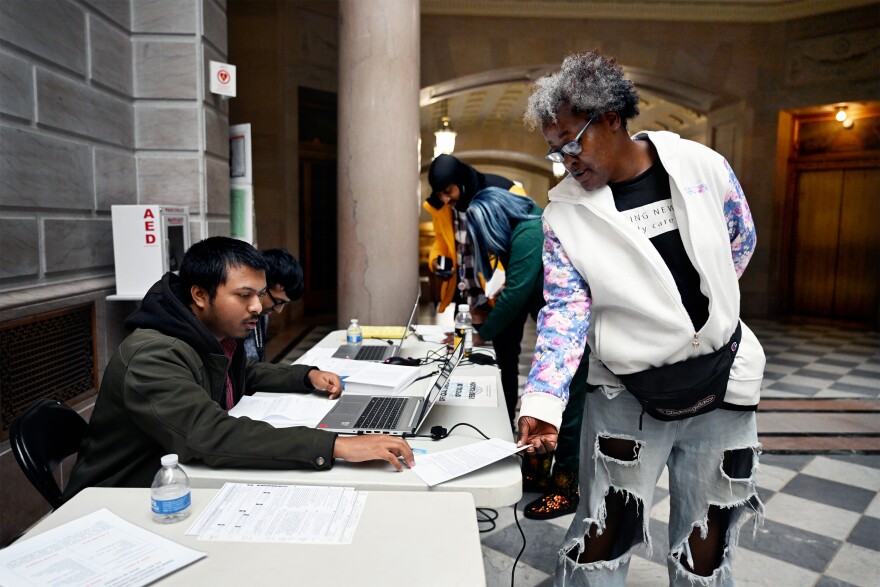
(478, 391)
(293, 514)
(97, 549)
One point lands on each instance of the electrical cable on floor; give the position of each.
(521, 550)
(486, 516)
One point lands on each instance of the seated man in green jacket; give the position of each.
(169, 386)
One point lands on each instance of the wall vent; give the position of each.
(49, 355)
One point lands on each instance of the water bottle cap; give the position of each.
(169, 460)
(464, 308)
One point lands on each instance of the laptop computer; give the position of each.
(375, 352)
(388, 414)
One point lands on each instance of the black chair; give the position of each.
(42, 436)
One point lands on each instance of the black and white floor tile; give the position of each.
(822, 524)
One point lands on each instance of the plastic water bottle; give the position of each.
(170, 492)
(464, 328)
(354, 335)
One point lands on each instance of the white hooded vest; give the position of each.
(637, 318)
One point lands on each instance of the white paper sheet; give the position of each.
(284, 410)
(293, 514)
(97, 549)
(478, 391)
(432, 332)
(495, 285)
(442, 466)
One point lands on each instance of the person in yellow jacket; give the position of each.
(453, 186)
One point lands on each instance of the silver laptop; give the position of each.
(388, 414)
(374, 352)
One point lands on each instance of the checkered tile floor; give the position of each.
(822, 523)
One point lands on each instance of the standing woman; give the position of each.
(506, 227)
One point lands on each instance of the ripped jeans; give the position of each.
(712, 460)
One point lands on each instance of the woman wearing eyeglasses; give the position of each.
(284, 279)
(644, 243)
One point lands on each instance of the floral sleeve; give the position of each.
(562, 323)
(740, 226)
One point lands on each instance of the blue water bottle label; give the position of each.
(354, 338)
(170, 506)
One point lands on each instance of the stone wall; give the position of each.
(102, 102)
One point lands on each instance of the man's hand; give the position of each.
(326, 380)
(539, 435)
(374, 447)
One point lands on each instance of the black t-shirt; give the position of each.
(646, 201)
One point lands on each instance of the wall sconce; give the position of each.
(841, 114)
(444, 136)
(558, 169)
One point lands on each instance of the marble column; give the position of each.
(378, 181)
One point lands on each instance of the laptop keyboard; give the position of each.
(370, 352)
(382, 413)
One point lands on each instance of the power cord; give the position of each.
(439, 432)
(521, 550)
(486, 516)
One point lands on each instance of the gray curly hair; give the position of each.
(588, 83)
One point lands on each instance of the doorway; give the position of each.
(317, 187)
(834, 210)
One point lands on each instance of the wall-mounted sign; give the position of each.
(222, 79)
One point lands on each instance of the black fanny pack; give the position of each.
(687, 388)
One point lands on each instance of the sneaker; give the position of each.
(561, 500)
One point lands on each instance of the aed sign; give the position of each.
(222, 79)
(150, 229)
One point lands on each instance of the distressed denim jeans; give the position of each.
(712, 461)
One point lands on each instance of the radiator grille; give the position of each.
(48, 355)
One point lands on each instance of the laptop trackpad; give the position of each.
(350, 405)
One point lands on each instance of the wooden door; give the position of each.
(836, 249)
(318, 231)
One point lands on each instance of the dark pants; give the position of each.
(568, 445)
(507, 345)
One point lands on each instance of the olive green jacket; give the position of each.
(161, 395)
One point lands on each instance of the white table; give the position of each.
(497, 485)
(402, 538)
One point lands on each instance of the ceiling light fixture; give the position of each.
(444, 136)
(841, 114)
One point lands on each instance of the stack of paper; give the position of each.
(97, 549)
(293, 514)
(381, 379)
(284, 410)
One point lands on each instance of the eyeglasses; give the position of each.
(572, 148)
(276, 303)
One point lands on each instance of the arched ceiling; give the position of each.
(496, 99)
(681, 10)
(501, 107)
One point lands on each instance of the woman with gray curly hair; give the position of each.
(644, 243)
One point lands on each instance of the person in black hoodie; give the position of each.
(169, 386)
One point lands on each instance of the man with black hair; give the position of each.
(169, 386)
(284, 277)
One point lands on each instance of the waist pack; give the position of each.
(687, 388)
